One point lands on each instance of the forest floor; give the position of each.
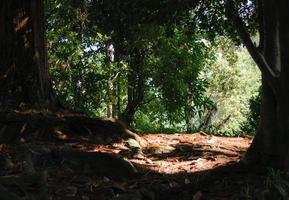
(177, 166)
(191, 166)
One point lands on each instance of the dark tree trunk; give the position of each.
(265, 147)
(283, 96)
(135, 88)
(24, 80)
(270, 147)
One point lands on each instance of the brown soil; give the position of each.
(171, 166)
(192, 166)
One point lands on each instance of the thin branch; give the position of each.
(148, 101)
(270, 75)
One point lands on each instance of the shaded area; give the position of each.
(65, 126)
(170, 166)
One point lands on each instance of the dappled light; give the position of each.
(168, 161)
(144, 100)
(182, 153)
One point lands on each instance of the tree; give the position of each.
(174, 66)
(126, 22)
(251, 123)
(133, 42)
(233, 79)
(135, 88)
(270, 147)
(24, 81)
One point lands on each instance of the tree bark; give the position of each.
(283, 97)
(24, 79)
(270, 147)
(112, 91)
(135, 88)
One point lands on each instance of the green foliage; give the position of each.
(186, 74)
(178, 62)
(175, 88)
(277, 185)
(80, 71)
(211, 18)
(76, 59)
(154, 122)
(233, 80)
(250, 125)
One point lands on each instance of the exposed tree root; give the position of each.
(26, 131)
(32, 126)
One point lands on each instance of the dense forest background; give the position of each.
(172, 77)
(79, 80)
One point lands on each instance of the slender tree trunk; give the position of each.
(24, 80)
(111, 106)
(135, 88)
(111, 103)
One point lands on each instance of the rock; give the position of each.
(132, 153)
(132, 143)
(136, 137)
(135, 148)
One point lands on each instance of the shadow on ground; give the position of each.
(170, 167)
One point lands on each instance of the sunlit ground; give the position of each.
(182, 153)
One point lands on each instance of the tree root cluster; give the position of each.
(34, 154)
(21, 126)
(31, 165)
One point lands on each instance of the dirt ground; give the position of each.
(182, 153)
(177, 166)
(183, 166)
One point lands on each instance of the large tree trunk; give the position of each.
(265, 147)
(24, 80)
(270, 147)
(283, 96)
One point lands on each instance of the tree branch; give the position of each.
(147, 101)
(270, 75)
